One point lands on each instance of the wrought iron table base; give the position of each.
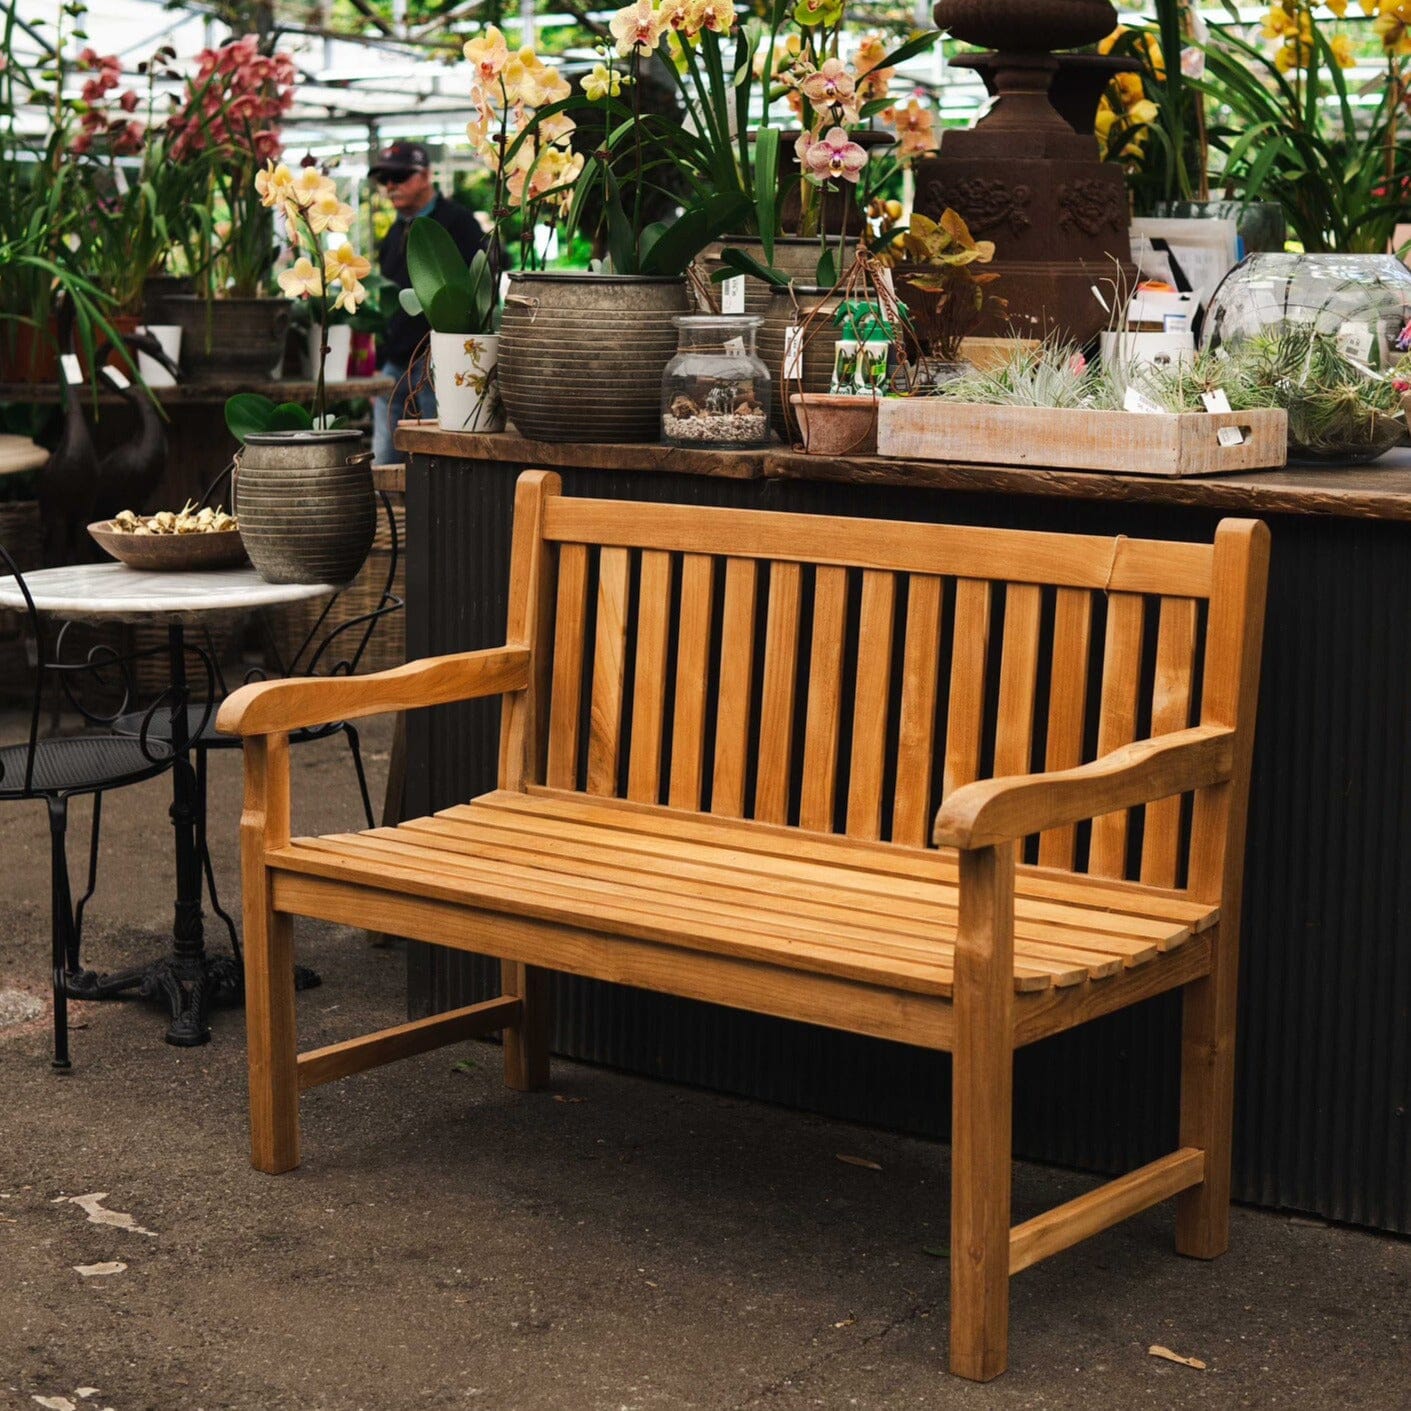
(190, 986)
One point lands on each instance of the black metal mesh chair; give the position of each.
(338, 651)
(56, 770)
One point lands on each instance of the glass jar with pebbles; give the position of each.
(715, 392)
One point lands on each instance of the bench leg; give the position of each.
(1207, 1105)
(269, 1024)
(982, 1118)
(527, 1043)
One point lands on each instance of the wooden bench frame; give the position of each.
(984, 820)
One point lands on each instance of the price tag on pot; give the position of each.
(1135, 401)
(732, 294)
(1230, 436)
(793, 351)
(73, 374)
(1216, 401)
(117, 377)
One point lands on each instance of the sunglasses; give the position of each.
(391, 179)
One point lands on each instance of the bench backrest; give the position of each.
(845, 675)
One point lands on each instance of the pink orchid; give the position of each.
(834, 155)
(830, 86)
(129, 101)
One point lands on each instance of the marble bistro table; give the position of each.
(186, 978)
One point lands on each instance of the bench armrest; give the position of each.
(994, 811)
(277, 707)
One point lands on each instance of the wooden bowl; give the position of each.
(170, 553)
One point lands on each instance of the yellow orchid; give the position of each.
(329, 213)
(350, 295)
(1393, 26)
(345, 266)
(489, 54)
(309, 186)
(302, 278)
(601, 82)
(275, 184)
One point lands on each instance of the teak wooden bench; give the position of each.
(725, 737)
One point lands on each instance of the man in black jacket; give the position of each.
(404, 171)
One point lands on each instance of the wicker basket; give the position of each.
(387, 647)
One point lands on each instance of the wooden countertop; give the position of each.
(1381, 490)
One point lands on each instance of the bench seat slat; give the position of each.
(902, 899)
(887, 859)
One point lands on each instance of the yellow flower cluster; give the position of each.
(1125, 110)
(505, 85)
(1393, 25)
(1291, 23)
(311, 206)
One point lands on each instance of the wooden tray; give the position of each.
(1133, 443)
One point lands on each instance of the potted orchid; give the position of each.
(303, 485)
(233, 108)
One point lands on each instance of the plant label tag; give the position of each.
(1136, 401)
(732, 294)
(1174, 323)
(735, 347)
(1216, 401)
(793, 351)
(1230, 436)
(118, 378)
(73, 374)
(1355, 341)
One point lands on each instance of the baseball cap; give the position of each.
(398, 159)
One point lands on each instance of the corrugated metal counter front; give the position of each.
(1321, 1119)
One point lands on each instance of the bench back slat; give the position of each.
(732, 730)
(649, 677)
(916, 723)
(825, 700)
(844, 676)
(868, 752)
(1117, 721)
(692, 676)
(776, 714)
(1171, 698)
(569, 626)
(1067, 706)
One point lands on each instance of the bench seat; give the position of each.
(876, 914)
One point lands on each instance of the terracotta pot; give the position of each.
(581, 355)
(229, 338)
(305, 504)
(28, 354)
(836, 426)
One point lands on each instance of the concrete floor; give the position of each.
(611, 1243)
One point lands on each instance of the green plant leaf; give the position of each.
(827, 273)
(733, 261)
(435, 267)
(917, 44)
(766, 187)
(290, 416)
(694, 229)
(246, 412)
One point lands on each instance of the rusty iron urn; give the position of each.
(1025, 178)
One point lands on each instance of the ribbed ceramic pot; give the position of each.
(811, 370)
(581, 355)
(305, 504)
(228, 337)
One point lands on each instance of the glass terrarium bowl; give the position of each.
(715, 393)
(1324, 337)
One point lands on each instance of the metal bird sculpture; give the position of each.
(69, 479)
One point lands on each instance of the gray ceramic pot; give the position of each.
(305, 504)
(228, 338)
(582, 355)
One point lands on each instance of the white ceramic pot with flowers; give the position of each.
(461, 303)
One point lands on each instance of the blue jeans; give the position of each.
(384, 420)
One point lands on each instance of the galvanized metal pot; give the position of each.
(228, 338)
(581, 355)
(800, 361)
(305, 504)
